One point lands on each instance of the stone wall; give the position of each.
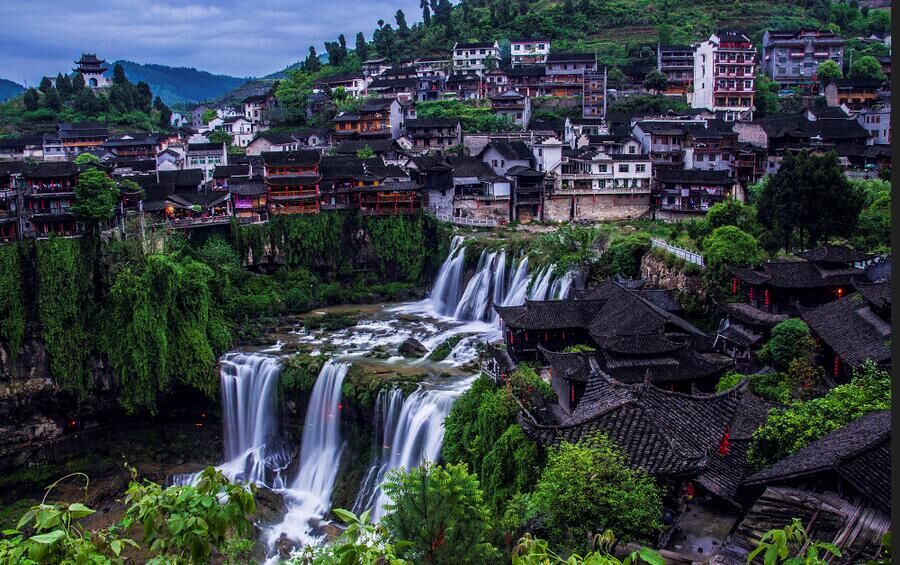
(661, 275)
(595, 207)
(482, 209)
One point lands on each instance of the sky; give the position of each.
(235, 37)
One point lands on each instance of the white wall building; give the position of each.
(473, 57)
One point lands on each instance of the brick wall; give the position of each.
(595, 207)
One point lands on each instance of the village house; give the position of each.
(792, 58)
(463, 87)
(876, 120)
(205, 156)
(376, 118)
(594, 101)
(23, 147)
(838, 487)
(10, 204)
(524, 52)
(434, 133)
(478, 193)
(853, 93)
(724, 75)
(241, 129)
(49, 190)
(565, 73)
(269, 141)
(374, 67)
(598, 186)
(292, 179)
(80, 137)
(475, 58)
(248, 199)
(685, 193)
(527, 80)
(512, 106)
(854, 328)
(135, 145)
(257, 108)
(676, 62)
(495, 82)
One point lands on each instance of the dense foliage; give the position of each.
(588, 488)
(96, 196)
(178, 524)
(771, 386)
(439, 511)
(623, 257)
(475, 115)
(12, 299)
(809, 200)
(790, 339)
(789, 429)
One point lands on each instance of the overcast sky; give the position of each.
(239, 38)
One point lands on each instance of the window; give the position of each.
(623, 168)
(517, 48)
(601, 168)
(632, 149)
(640, 168)
(540, 45)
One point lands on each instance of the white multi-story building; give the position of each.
(528, 52)
(724, 75)
(474, 58)
(876, 120)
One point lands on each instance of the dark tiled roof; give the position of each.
(205, 146)
(692, 176)
(51, 169)
(351, 146)
(569, 366)
(858, 452)
(303, 158)
(797, 274)
(834, 254)
(550, 314)
(246, 187)
(665, 433)
(512, 150)
(527, 71)
(852, 329)
(225, 171)
(408, 83)
(750, 314)
(182, 178)
(377, 104)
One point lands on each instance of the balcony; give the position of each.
(185, 223)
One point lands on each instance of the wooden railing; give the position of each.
(461, 221)
(688, 256)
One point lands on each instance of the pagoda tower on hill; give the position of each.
(92, 69)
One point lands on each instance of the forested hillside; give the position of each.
(176, 85)
(8, 89)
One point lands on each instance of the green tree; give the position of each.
(535, 551)
(866, 67)
(440, 512)
(828, 71)
(791, 339)
(625, 253)
(52, 100)
(46, 85)
(362, 48)
(731, 212)
(655, 81)
(730, 246)
(809, 200)
(208, 114)
(219, 136)
(400, 18)
(588, 488)
(365, 152)
(119, 77)
(765, 97)
(95, 197)
(143, 97)
(31, 99)
(78, 83)
(780, 546)
(87, 159)
(426, 12)
(874, 226)
(63, 86)
(788, 429)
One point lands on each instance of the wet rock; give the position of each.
(412, 348)
(270, 507)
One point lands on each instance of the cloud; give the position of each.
(44, 37)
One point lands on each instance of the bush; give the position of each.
(788, 429)
(588, 488)
(624, 255)
(439, 511)
(770, 386)
(790, 340)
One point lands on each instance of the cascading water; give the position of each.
(417, 437)
(541, 284)
(561, 287)
(253, 448)
(518, 287)
(388, 405)
(446, 290)
(254, 451)
(474, 302)
(309, 494)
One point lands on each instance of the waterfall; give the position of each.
(561, 287)
(254, 452)
(474, 302)
(445, 293)
(309, 494)
(417, 437)
(518, 286)
(388, 404)
(541, 284)
(500, 284)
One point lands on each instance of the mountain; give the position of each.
(8, 89)
(179, 84)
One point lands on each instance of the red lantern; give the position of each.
(734, 286)
(725, 444)
(751, 293)
(837, 365)
(767, 297)
(572, 392)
